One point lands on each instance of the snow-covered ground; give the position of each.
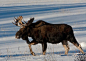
(72, 12)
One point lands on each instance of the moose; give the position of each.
(43, 32)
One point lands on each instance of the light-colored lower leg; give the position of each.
(80, 48)
(66, 49)
(31, 50)
(32, 43)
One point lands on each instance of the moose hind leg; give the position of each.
(65, 45)
(78, 46)
(74, 42)
(32, 43)
(44, 47)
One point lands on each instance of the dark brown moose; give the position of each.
(43, 32)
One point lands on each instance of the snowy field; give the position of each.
(72, 12)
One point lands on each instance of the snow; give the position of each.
(83, 44)
(72, 12)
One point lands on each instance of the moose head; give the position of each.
(22, 33)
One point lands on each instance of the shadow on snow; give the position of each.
(58, 53)
(6, 12)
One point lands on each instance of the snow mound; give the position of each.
(83, 44)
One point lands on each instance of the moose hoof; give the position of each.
(33, 54)
(66, 53)
(43, 53)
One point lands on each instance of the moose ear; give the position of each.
(30, 21)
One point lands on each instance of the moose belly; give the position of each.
(55, 38)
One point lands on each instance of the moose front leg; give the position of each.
(32, 43)
(44, 47)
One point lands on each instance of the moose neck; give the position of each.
(29, 31)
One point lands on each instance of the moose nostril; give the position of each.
(17, 37)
